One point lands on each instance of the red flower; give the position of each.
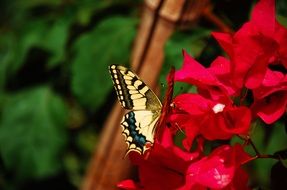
(270, 99)
(168, 167)
(254, 50)
(163, 169)
(217, 170)
(251, 48)
(210, 82)
(212, 119)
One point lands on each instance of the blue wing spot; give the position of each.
(138, 139)
(132, 127)
(132, 114)
(142, 140)
(131, 118)
(133, 134)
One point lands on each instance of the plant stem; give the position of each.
(248, 140)
(253, 146)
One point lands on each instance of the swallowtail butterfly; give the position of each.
(147, 115)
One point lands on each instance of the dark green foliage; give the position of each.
(108, 43)
(33, 133)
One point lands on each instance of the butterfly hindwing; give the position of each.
(132, 92)
(138, 129)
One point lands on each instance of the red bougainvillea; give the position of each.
(168, 167)
(218, 110)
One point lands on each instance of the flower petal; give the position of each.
(128, 184)
(263, 16)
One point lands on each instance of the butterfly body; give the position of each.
(139, 125)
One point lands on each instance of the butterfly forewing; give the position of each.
(132, 92)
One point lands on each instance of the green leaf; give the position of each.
(73, 168)
(19, 46)
(262, 171)
(55, 41)
(32, 133)
(108, 43)
(281, 9)
(278, 140)
(6, 56)
(88, 8)
(40, 33)
(26, 4)
(282, 20)
(86, 141)
(193, 42)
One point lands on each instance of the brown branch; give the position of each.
(253, 146)
(247, 140)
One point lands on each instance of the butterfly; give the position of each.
(147, 115)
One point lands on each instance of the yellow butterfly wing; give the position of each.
(139, 124)
(132, 92)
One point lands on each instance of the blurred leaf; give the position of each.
(32, 133)
(109, 43)
(86, 141)
(41, 33)
(278, 176)
(73, 166)
(193, 42)
(281, 9)
(26, 4)
(278, 140)
(55, 40)
(19, 12)
(262, 171)
(15, 48)
(88, 8)
(282, 20)
(6, 56)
